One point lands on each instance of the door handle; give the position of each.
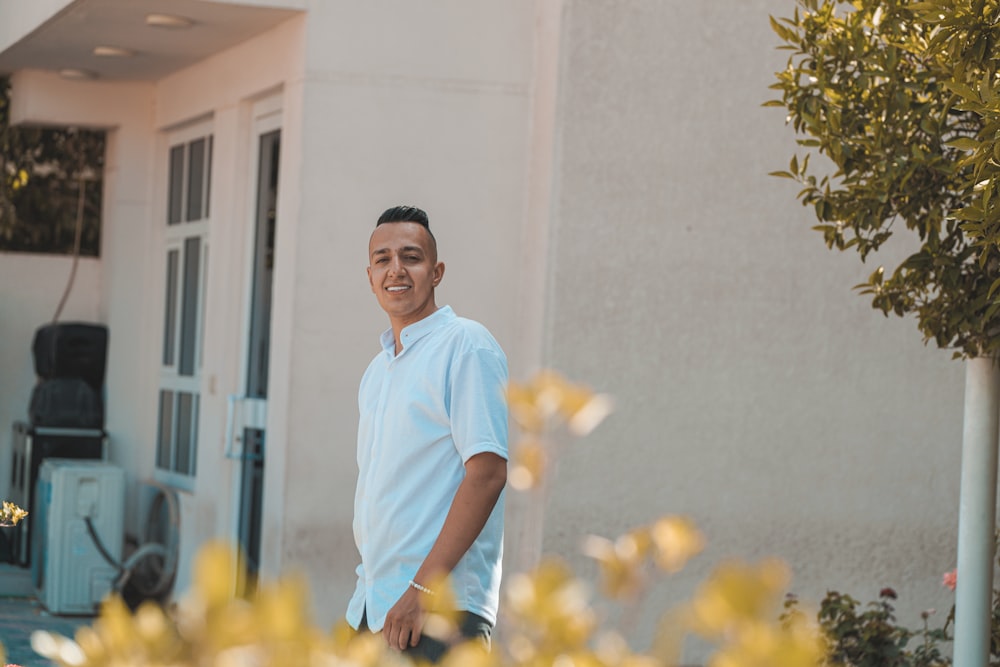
(242, 412)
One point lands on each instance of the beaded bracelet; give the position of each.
(422, 589)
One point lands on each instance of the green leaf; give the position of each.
(964, 143)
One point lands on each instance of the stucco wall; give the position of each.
(756, 392)
(125, 111)
(402, 105)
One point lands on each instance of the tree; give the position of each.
(42, 170)
(872, 91)
(901, 98)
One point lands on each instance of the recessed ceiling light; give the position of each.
(113, 52)
(75, 74)
(168, 21)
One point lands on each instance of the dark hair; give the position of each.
(405, 214)
(408, 214)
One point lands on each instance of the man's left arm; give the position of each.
(485, 477)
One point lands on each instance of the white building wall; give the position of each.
(403, 104)
(756, 392)
(127, 292)
(118, 293)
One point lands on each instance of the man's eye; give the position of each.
(413, 258)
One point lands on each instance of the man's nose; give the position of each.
(395, 265)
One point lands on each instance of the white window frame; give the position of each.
(173, 240)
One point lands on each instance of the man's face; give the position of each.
(403, 271)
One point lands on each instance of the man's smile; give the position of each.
(397, 288)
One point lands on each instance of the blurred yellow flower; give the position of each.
(19, 179)
(669, 542)
(549, 610)
(549, 620)
(215, 573)
(470, 654)
(676, 540)
(772, 645)
(528, 464)
(612, 649)
(11, 514)
(738, 593)
(621, 562)
(548, 399)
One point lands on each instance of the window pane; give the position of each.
(193, 449)
(163, 442)
(170, 316)
(196, 179)
(185, 432)
(175, 188)
(208, 176)
(204, 287)
(189, 305)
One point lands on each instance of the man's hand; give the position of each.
(405, 621)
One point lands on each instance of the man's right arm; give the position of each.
(485, 478)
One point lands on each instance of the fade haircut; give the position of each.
(405, 214)
(409, 214)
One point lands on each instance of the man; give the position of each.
(432, 451)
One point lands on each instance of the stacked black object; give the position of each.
(65, 413)
(70, 362)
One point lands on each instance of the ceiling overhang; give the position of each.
(70, 41)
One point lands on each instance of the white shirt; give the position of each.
(424, 413)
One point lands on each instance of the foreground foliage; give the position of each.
(549, 620)
(549, 615)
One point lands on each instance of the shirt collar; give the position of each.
(414, 332)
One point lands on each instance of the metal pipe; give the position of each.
(977, 513)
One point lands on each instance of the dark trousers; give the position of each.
(428, 649)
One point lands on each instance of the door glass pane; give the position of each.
(165, 430)
(196, 179)
(204, 287)
(170, 316)
(185, 421)
(263, 267)
(189, 305)
(175, 188)
(208, 176)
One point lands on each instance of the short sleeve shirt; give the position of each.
(423, 414)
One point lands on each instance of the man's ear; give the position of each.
(438, 273)
(370, 282)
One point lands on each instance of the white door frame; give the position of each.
(242, 411)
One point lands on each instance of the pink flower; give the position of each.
(950, 579)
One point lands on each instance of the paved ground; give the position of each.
(19, 617)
